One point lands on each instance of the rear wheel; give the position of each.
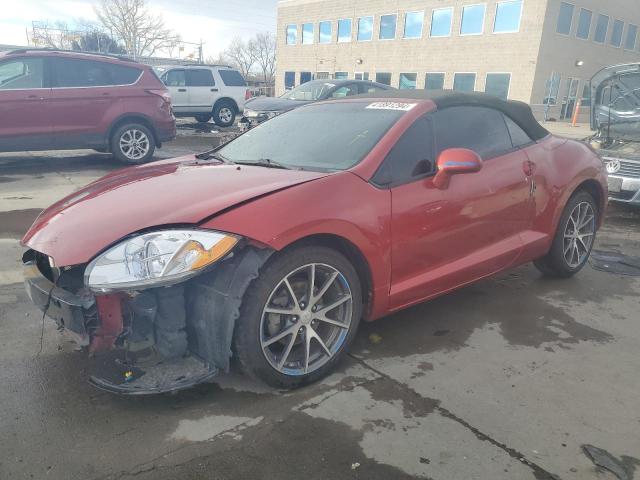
(203, 118)
(298, 317)
(574, 238)
(133, 143)
(224, 114)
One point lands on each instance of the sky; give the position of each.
(215, 22)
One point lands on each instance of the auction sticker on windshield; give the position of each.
(405, 107)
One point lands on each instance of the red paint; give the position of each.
(420, 239)
(84, 117)
(111, 324)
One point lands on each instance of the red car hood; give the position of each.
(178, 191)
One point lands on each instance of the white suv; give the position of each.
(203, 91)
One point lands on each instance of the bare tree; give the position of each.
(53, 35)
(242, 55)
(141, 32)
(265, 50)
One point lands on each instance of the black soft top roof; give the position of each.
(519, 112)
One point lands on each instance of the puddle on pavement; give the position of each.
(615, 262)
(8, 179)
(622, 468)
(15, 223)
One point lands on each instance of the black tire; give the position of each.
(119, 135)
(554, 264)
(224, 113)
(247, 334)
(203, 118)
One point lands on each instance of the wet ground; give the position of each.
(505, 379)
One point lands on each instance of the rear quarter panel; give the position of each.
(341, 204)
(562, 166)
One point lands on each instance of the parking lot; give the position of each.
(505, 379)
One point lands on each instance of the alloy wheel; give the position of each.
(134, 144)
(225, 114)
(306, 319)
(579, 234)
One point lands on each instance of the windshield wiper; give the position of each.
(215, 156)
(265, 162)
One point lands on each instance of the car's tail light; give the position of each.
(162, 94)
(247, 94)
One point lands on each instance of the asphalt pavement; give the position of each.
(506, 379)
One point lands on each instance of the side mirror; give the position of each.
(454, 161)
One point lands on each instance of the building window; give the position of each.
(365, 29)
(586, 94)
(323, 75)
(324, 32)
(552, 89)
(602, 26)
(289, 80)
(616, 33)
(307, 33)
(565, 18)
(464, 82)
(383, 78)
(584, 24)
(361, 76)
(498, 84)
(341, 75)
(632, 36)
(472, 20)
(434, 81)
(441, 22)
(407, 81)
(292, 34)
(344, 30)
(305, 77)
(388, 27)
(413, 24)
(508, 17)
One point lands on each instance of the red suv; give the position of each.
(54, 100)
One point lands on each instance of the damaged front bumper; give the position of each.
(153, 341)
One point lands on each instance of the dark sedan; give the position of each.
(259, 109)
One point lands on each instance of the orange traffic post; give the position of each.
(576, 113)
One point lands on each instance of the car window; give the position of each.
(519, 137)
(232, 78)
(345, 91)
(174, 78)
(369, 88)
(480, 129)
(70, 72)
(22, 73)
(411, 158)
(199, 78)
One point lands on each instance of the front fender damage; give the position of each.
(176, 337)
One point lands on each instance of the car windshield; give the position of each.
(309, 92)
(320, 137)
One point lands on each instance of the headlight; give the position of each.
(157, 258)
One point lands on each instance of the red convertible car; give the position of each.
(273, 247)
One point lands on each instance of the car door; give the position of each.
(176, 82)
(25, 114)
(82, 96)
(446, 237)
(202, 89)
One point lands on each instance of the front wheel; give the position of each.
(298, 317)
(224, 114)
(574, 238)
(133, 143)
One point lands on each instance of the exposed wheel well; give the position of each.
(595, 190)
(133, 119)
(229, 100)
(353, 254)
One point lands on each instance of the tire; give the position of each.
(569, 253)
(224, 113)
(255, 327)
(133, 143)
(203, 118)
